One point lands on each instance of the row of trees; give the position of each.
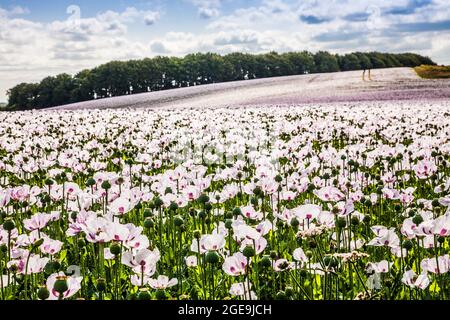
(161, 73)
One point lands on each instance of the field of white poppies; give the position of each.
(335, 201)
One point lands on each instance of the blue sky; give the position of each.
(40, 38)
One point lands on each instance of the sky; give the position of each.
(42, 38)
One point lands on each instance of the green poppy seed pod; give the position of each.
(56, 265)
(355, 221)
(294, 222)
(148, 223)
(341, 222)
(48, 182)
(212, 257)
(178, 221)
(312, 244)
(173, 206)
(441, 240)
(208, 220)
(208, 206)
(398, 208)
(273, 254)
(158, 202)
(278, 178)
(115, 248)
(48, 269)
(13, 268)
(197, 234)
(43, 293)
(281, 295)
(101, 285)
(237, 212)
(366, 219)
(192, 212)
(144, 294)
(151, 205)
(74, 215)
(228, 215)
(303, 273)
(289, 291)
(3, 248)
(407, 244)
(161, 294)
(202, 214)
(417, 219)
(203, 198)
(147, 213)
(254, 201)
(9, 225)
(168, 190)
(265, 262)
(435, 203)
(229, 224)
(106, 185)
(249, 252)
(60, 284)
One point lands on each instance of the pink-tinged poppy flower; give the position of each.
(37, 221)
(243, 290)
(208, 242)
(300, 256)
(378, 267)
(191, 261)
(412, 280)
(73, 284)
(235, 265)
(307, 211)
(329, 194)
(143, 260)
(250, 213)
(384, 237)
(162, 282)
(120, 206)
(425, 169)
(439, 265)
(50, 246)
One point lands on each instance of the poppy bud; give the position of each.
(147, 213)
(248, 251)
(366, 219)
(407, 244)
(144, 294)
(9, 225)
(148, 223)
(158, 202)
(417, 219)
(161, 294)
(43, 293)
(60, 284)
(294, 222)
(273, 254)
(289, 291)
(237, 212)
(101, 285)
(173, 206)
(281, 295)
(203, 198)
(115, 248)
(212, 257)
(90, 182)
(341, 223)
(178, 221)
(208, 206)
(265, 262)
(228, 223)
(106, 185)
(197, 234)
